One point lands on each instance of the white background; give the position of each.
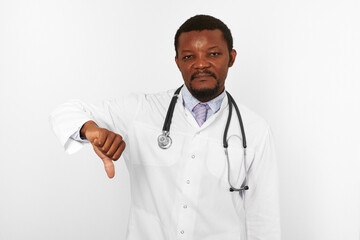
(297, 66)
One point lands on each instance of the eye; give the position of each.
(214, 54)
(187, 57)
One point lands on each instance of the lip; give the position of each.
(202, 75)
(199, 76)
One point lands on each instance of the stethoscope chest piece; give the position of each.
(164, 140)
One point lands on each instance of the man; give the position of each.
(183, 192)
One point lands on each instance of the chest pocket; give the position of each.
(219, 166)
(145, 150)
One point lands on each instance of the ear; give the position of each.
(177, 62)
(232, 57)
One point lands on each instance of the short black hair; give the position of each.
(204, 22)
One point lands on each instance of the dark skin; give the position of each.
(203, 60)
(107, 144)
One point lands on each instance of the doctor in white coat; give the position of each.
(183, 192)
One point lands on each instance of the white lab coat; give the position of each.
(183, 192)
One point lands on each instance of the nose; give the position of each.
(201, 63)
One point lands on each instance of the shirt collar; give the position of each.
(189, 101)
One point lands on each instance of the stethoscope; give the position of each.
(165, 141)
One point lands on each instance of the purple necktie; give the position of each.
(200, 111)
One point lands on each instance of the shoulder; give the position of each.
(253, 119)
(141, 99)
(152, 103)
(159, 99)
(164, 95)
(257, 130)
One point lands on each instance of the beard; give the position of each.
(205, 93)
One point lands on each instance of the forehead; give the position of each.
(201, 39)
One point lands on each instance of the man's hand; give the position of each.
(107, 145)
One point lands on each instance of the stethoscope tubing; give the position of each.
(165, 141)
(170, 112)
(231, 104)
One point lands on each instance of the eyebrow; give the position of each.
(186, 51)
(212, 47)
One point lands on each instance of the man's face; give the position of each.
(203, 60)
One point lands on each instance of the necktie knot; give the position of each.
(200, 111)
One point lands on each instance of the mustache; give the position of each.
(196, 74)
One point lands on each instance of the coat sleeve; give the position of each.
(261, 200)
(115, 115)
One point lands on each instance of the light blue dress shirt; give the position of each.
(189, 101)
